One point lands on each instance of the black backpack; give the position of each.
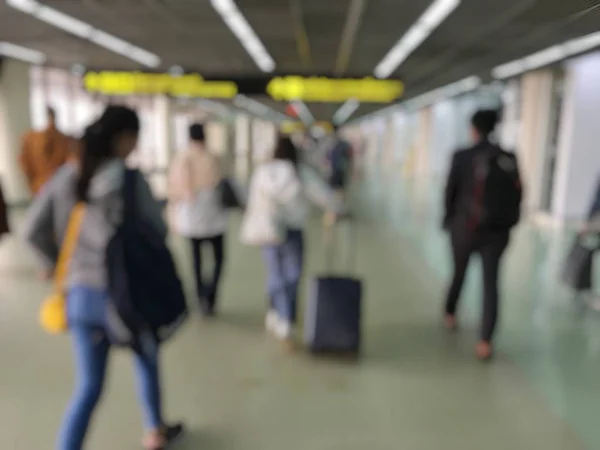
(496, 191)
(146, 298)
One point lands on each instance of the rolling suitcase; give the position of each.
(332, 322)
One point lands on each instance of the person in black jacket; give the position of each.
(469, 236)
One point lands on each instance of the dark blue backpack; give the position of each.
(340, 157)
(146, 297)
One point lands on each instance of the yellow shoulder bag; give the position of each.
(53, 313)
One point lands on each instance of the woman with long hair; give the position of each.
(97, 181)
(281, 193)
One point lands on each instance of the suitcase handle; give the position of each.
(330, 246)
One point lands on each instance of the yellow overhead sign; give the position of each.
(284, 88)
(139, 83)
(334, 90)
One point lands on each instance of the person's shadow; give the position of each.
(205, 439)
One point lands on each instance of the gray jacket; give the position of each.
(48, 217)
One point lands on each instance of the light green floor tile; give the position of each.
(416, 388)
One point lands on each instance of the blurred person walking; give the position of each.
(4, 225)
(197, 213)
(97, 182)
(482, 203)
(340, 160)
(280, 197)
(43, 152)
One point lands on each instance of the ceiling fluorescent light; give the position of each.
(27, 6)
(303, 111)
(240, 27)
(84, 30)
(144, 57)
(583, 44)
(64, 22)
(258, 108)
(451, 90)
(425, 25)
(345, 111)
(110, 42)
(547, 56)
(22, 53)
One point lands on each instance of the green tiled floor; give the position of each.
(416, 388)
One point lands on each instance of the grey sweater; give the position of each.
(48, 217)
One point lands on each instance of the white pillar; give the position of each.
(422, 142)
(389, 142)
(578, 156)
(509, 128)
(532, 149)
(15, 120)
(163, 120)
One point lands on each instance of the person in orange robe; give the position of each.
(43, 153)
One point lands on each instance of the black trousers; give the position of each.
(490, 246)
(208, 288)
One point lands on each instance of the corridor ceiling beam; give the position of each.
(353, 22)
(85, 31)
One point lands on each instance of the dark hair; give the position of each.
(286, 150)
(98, 143)
(197, 132)
(51, 112)
(485, 121)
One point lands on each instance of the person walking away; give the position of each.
(281, 192)
(196, 211)
(43, 152)
(98, 183)
(590, 231)
(340, 161)
(4, 224)
(482, 203)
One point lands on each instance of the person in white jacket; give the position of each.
(281, 193)
(195, 211)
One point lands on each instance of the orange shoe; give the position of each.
(450, 322)
(484, 351)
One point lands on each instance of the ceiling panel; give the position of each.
(479, 35)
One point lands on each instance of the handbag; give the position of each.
(53, 313)
(227, 195)
(577, 272)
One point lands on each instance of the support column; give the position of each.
(164, 132)
(389, 140)
(242, 147)
(578, 157)
(532, 149)
(509, 128)
(165, 146)
(423, 142)
(15, 120)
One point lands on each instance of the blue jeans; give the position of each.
(284, 266)
(91, 349)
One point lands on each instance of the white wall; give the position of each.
(445, 135)
(14, 122)
(578, 158)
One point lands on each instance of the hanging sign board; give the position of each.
(285, 88)
(139, 83)
(334, 90)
